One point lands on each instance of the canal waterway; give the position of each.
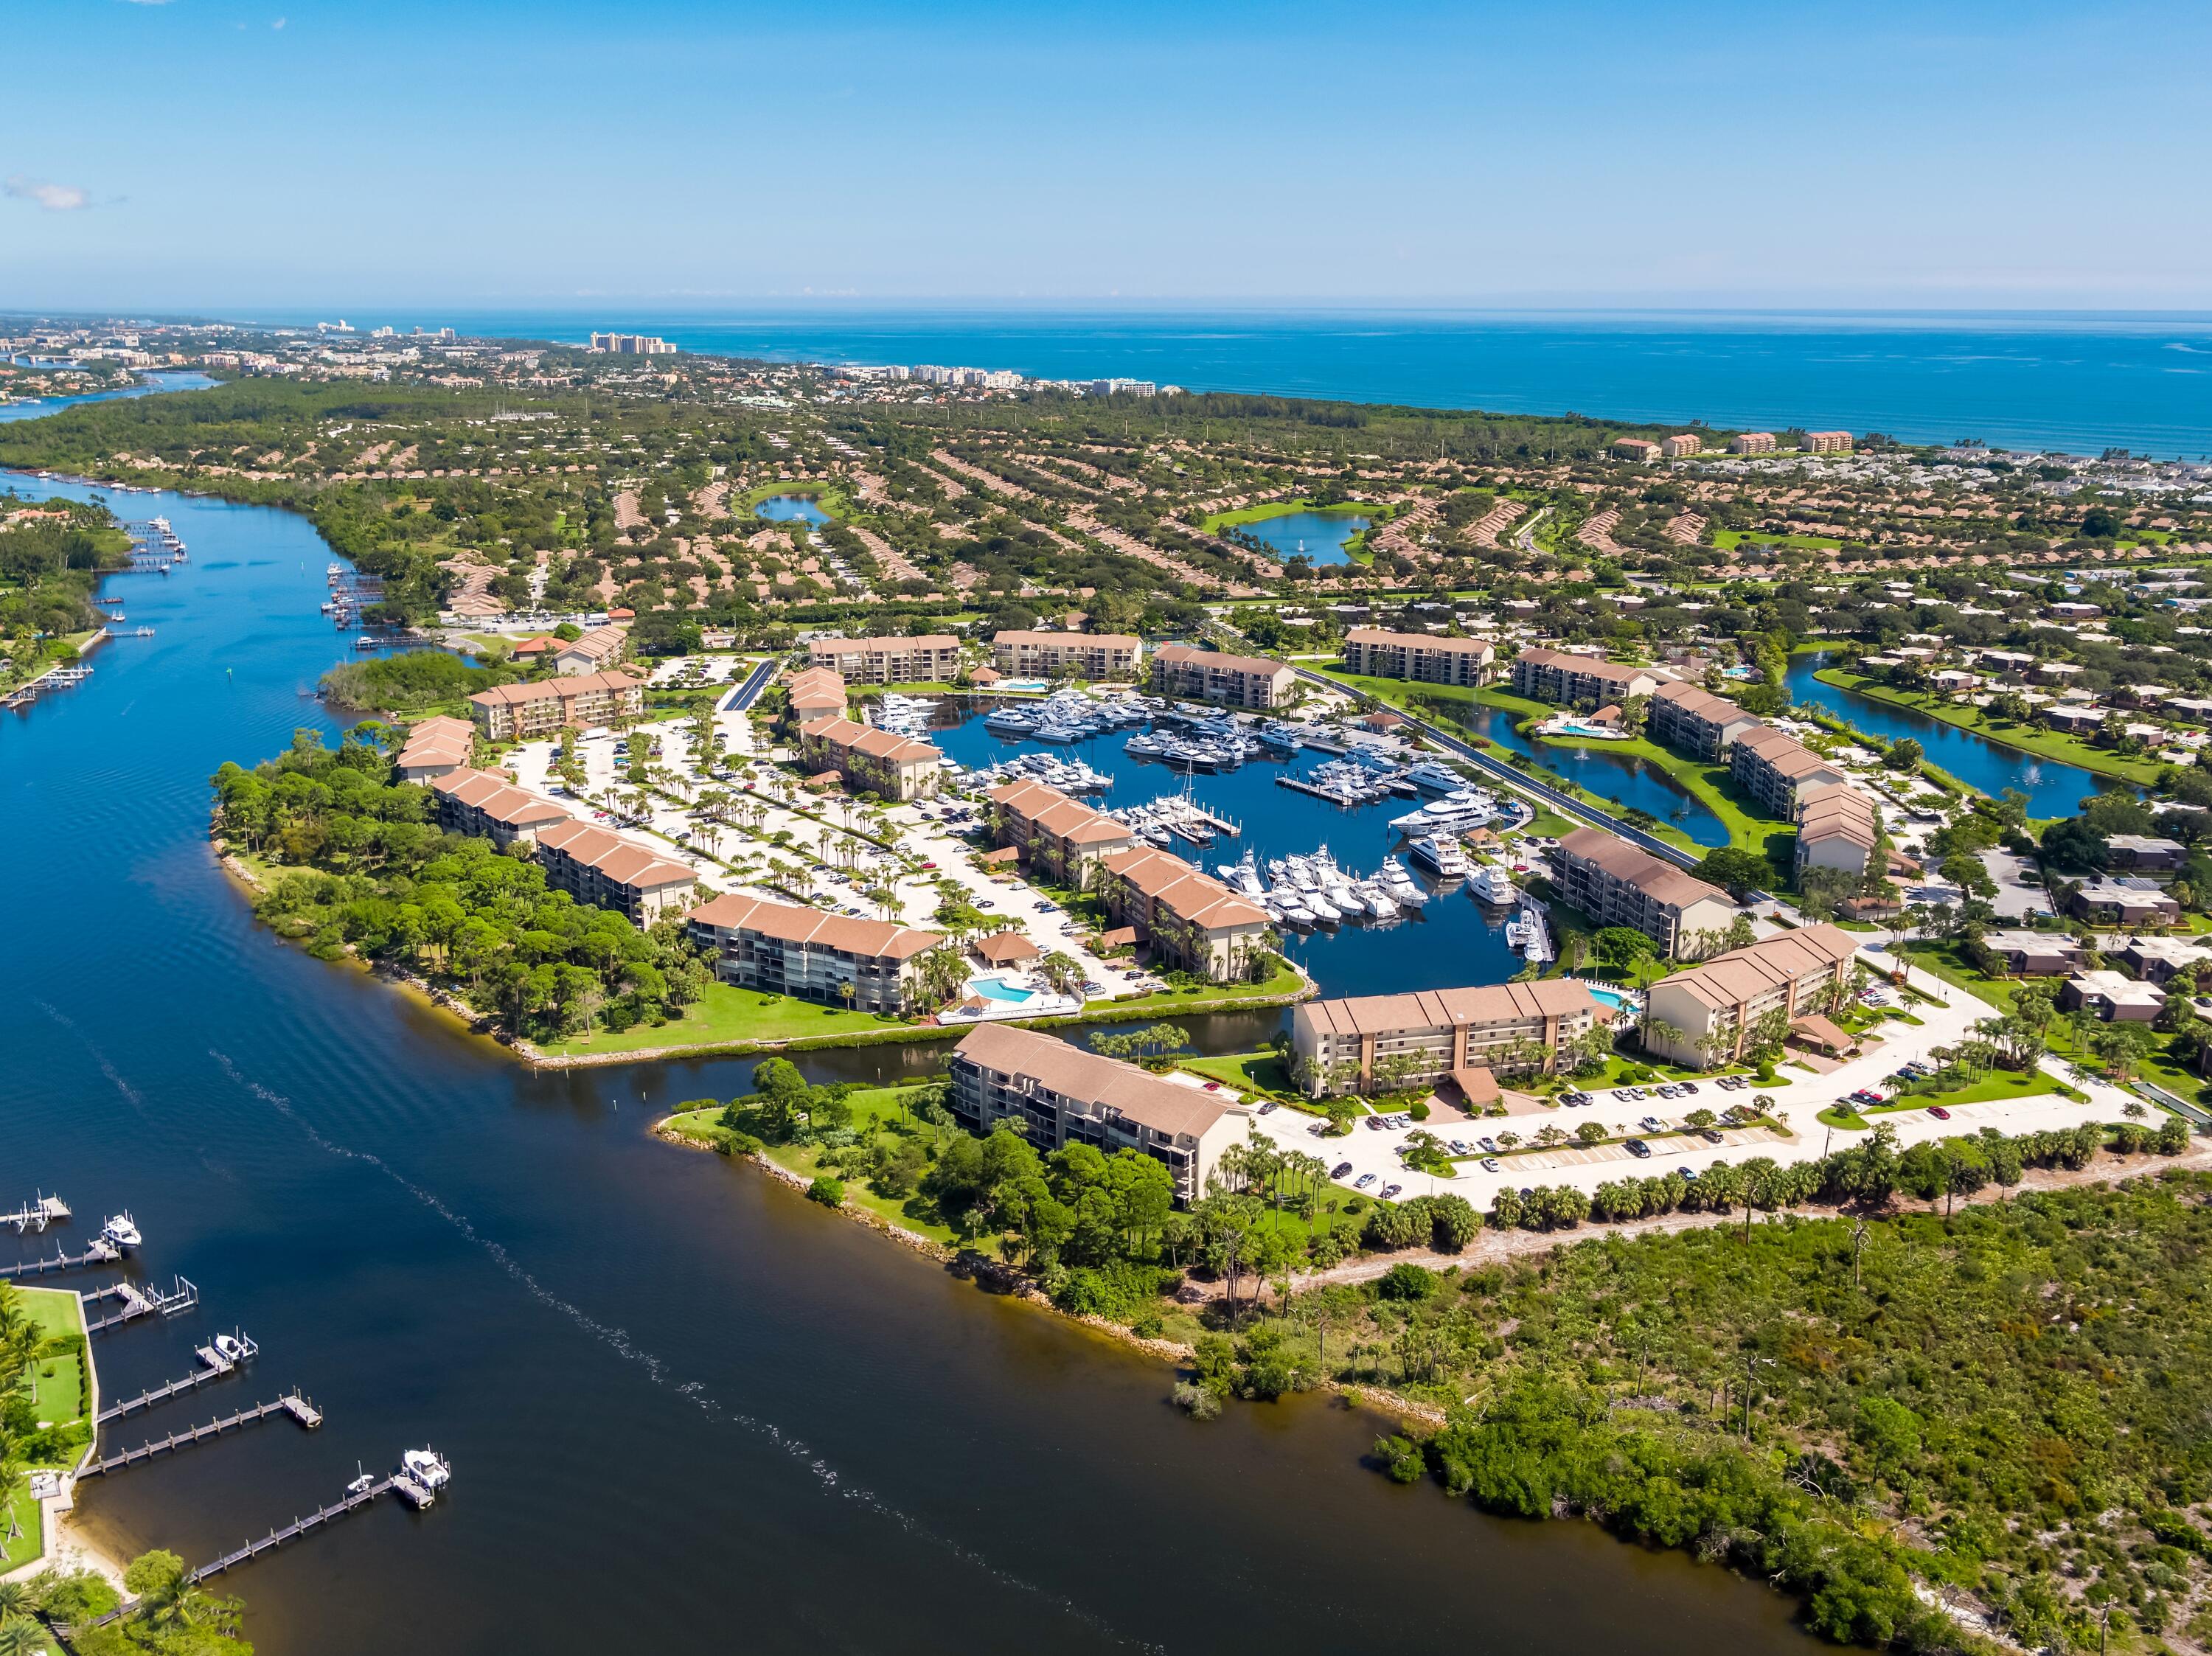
(724, 1418)
(2053, 788)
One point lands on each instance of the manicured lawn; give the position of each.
(1285, 982)
(1254, 1071)
(725, 1015)
(1735, 537)
(2027, 738)
(31, 1542)
(1998, 1083)
(52, 1310)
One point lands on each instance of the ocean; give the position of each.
(2070, 383)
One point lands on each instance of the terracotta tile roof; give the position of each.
(621, 859)
(790, 923)
(498, 798)
(1066, 641)
(1389, 640)
(1744, 975)
(867, 739)
(1074, 1073)
(1175, 884)
(1785, 753)
(1176, 654)
(596, 643)
(1836, 812)
(552, 688)
(1007, 948)
(1660, 881)
(1595, 666)
(1445, 1009)
(1701, 704)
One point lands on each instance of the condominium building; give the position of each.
(1082, 655)
(2127, 899)
(815, 692)
(1835, 829)
(932, 659)
(1062, 1095)
(1635, 448)
(1557, 676)
(1827, 442)
(437, 746)
(1417, 1039)
(1681, 446)
(1191, 921)
(488, 806)
(895, 767)
(598, 866)
(2142, 853)
(1706, 1015)
(509, 712)
(784, 949)
(593, 650)
(1194, 675)
(1418, 656)
(1616, 884)
(1062, 836)
(1694, 721)
(1774, 769)
(1751, 442)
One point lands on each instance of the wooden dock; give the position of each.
(137, 1302)
(405, 1487)
(101, 1252)
(36, 1214)
(212, 1366)
(293, 1405)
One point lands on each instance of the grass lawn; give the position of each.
(1729, 538)
(2027, 738)
(1549, 824)
(1255, 1071)
(725, 1014)
(29, 1544)
(1285, 983)
(52, 1310)
(1252, 514)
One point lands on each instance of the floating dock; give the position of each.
(138, 1302)
(293, 1405)
(36, 1214)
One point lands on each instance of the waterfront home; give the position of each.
(1835, 829)
(487, 804)
(1559, 677)
(930, 659)
(595, 650)
(1695, 722)
(1192, 921)
(1617, 884)
(1189, 674)
(437, 746)
(1418, 656)
(2112, 997)
(1057, 1093)
(815, 692)
(895, 767)
(509, 712)
(1827, 442)
(1706, 1015)
(1365, 1042)
(1775, 768)
(1078, 655)
(786, 949)
(1061, 836)
(2126, 900)
(607, 870)
(2075, 721)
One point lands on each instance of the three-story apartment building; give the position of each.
(1616, 884)
(1419, 1038)
(784, 949)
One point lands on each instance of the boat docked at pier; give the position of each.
(1442, 856)
(1458, 812)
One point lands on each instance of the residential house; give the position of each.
(2112, 997)
(2140, 853)
(1191, 921)
(1617, 884)
(895, 767)
(437, 746)
(1708, 1014)
(514, 713)
(594, 650)
(1194, 675)
(930, 659)
(2075, 721)
(1835, 830)
(1634, 448)
(1827, 442)
(815, 693)
(1379, 654)
(1681, 446)
(2033, 954)
(2158, 960)
(1371, 1041)
(785, 948)
(2126, 900)
(1751, 442)
(607, 870)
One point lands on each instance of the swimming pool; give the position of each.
(998, 989)
(1023, 685)
(1605, 997)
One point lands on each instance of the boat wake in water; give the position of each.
(618, 1341)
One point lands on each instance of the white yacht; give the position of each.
(122, 1232)
(1404, 889)
(1442, 855)
(1492, 886)
(1455, 813)
(1378, 904)
(426, 1467)
(1435, 777)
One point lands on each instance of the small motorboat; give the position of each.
(360, 1485)
(122, 1232)
(231, 1348)
(427, 1467)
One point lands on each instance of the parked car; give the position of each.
(1939, 1112)
(1710, 1136)
(1339, 1170)
(1390, 1192)
(1637, 1147)
(1363, 1181)
(1270, 1107)
(1689, 1086)
(1375, 1124)
(1212, 1086)
(1488, 1144)
(1652, 1124)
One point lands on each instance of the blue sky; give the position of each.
(228, 154)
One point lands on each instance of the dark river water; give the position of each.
(745, 1424)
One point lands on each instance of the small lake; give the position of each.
(792, 508)
(2053, 788)
(1320, 536)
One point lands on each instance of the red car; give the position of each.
(1939, 1112)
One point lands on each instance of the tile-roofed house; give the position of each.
(507, 713)
(895, 767)
(1617, 884)
(487, 804)
(1560, 677)
(1377, 653)
(1706, 1015)
(1694, 721)
(1191, 920)
(598, 866)
(1063, 1094)
(1771, 766)
(1194, 675)
(1061, 835)
(1399, 1040)
(786, 949)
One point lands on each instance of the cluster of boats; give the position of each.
(1175, 816)
(1219, 743)
(1462, 811)
(1307, 891)
(1068, 775)
(350, 593)
(904, 715)
(1066, 716)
